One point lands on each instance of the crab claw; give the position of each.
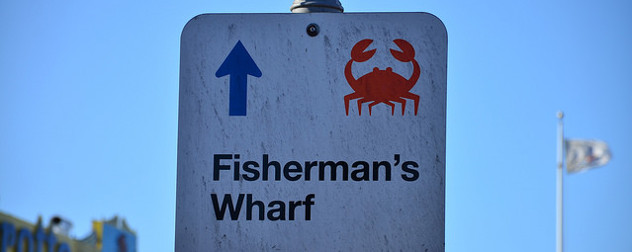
(358, 54)
(408, 52)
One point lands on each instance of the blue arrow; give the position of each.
(238, 64)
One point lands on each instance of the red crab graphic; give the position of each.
(382, 86)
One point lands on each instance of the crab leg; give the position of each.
(360, 102)
(371, 106)
(349, 97)
(413, 97)
(401, 101)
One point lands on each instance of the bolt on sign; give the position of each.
(320, 131)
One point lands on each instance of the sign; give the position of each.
(312, 131)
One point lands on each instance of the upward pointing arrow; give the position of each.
(238, 64)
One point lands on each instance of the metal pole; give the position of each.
(560, 175)
(308, 6)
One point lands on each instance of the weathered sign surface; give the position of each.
(320, 131)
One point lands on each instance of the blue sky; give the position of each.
(89, 103)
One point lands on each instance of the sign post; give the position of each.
(318, 131)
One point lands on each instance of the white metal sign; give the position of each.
(320, 131)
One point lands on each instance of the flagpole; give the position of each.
(560, 175)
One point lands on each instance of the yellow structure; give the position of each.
(17, 235)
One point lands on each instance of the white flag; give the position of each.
(582, 155)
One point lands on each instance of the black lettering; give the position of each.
(287, 170)
(236, 167)
(266, 164)
(293, 205)
(355, 174)
(396, 157)
(227, 201)
(414, 174)
(376, 170)
(249, 167)
(308, 203)
(250, 204)
(217, 166)
(343, 164)
(280, 210)
(308, 169)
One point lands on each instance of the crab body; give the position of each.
(382, 86)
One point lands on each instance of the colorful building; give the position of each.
(17, 235)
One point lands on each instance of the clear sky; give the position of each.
(89, 104)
